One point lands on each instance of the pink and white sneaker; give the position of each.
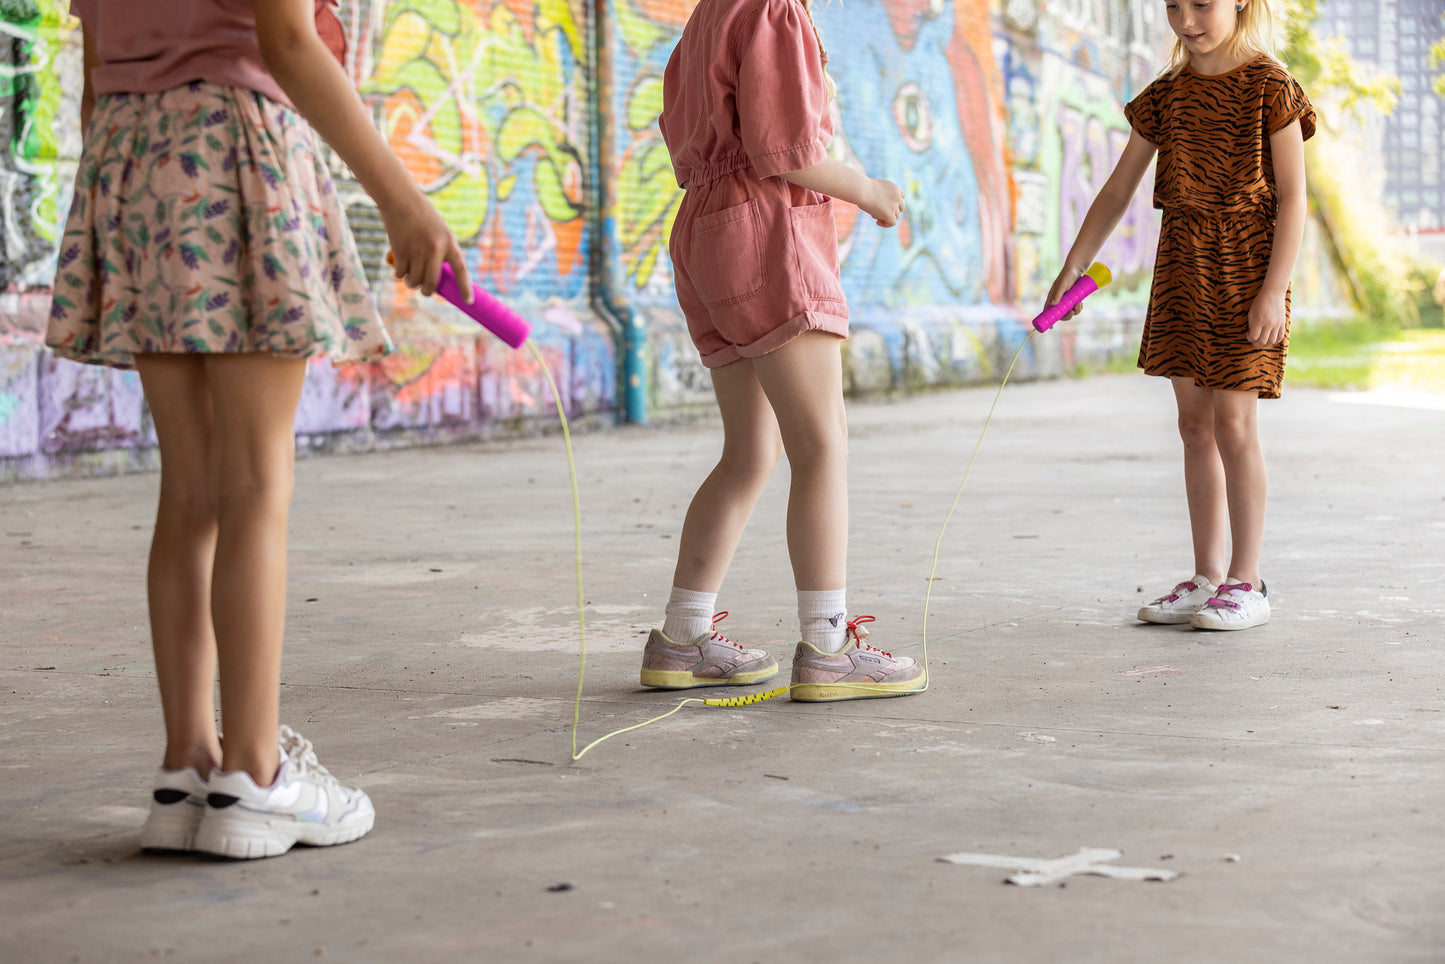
(1179, 604)
(858, 672)
(1235, 605)
(709, 660)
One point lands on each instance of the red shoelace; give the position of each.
(856, 630)
(717, 618)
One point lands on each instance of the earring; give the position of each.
(1239, 8)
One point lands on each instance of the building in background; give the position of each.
(1394, 37)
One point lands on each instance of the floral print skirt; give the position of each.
(204, 220)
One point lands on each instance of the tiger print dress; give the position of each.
(1214, 181)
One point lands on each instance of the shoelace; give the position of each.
(717, 618)
(298, 749)
(856, 630)
(1219, 602)
(1189, 585)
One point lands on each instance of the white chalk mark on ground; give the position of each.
(1038, 871)
(511, 708)
(1152, 669)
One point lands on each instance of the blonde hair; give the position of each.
(1253, 35)
(827, 77)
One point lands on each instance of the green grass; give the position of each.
(1361, 355)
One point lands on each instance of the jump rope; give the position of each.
(515, 331)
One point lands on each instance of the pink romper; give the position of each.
(755, 258)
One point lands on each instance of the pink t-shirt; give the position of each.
(147, 46)
(745, 88)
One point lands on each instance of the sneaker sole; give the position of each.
(170, 831)
(1164, 619)
(834, 692)
(248, 840)
(1226, 627)
(668, 679)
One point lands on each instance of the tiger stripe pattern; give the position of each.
(1214, 181)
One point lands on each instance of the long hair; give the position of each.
(827, 77)
(1253, 35)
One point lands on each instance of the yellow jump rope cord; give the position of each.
(576, 541)
(938, 543)
(751, 698)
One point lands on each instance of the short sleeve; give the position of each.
(782, 95)
(329, 29)
(1290, 104)
(1143, 115)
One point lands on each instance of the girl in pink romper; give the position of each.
(755, 260)
(205, 248)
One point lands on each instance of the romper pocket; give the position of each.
(815, 251)
(725, 262)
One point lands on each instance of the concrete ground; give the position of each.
(432, 657)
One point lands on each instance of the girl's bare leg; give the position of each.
(178, 580)
(1236, 431)
(720, 510)
(803, 381)
(254, 398)
(1204, 482)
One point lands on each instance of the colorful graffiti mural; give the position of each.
(532, 124)
(1068, 74)
(485, 103)
(902, 117)
(1090, 135)
(648, 195)
(39, 63)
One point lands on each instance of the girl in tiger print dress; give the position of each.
(1229, 125)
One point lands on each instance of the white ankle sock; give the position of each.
(823, 618)
(688, 615)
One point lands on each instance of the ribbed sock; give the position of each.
(688, 615)
(823, 618)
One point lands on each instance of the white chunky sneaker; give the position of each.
(177, 804)
(1235, 605)
(1180, 604)
(304, 805)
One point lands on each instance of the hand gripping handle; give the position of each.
(1091, 281)
(485, 309)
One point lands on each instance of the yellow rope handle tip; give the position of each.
(748, 700)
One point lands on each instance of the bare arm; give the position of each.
(1104, 214)
(322, 93)
(1267, 322)
(881, 199)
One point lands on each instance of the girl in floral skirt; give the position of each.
(206, 249)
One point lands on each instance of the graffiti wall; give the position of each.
(532, 125)
(487, 103)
